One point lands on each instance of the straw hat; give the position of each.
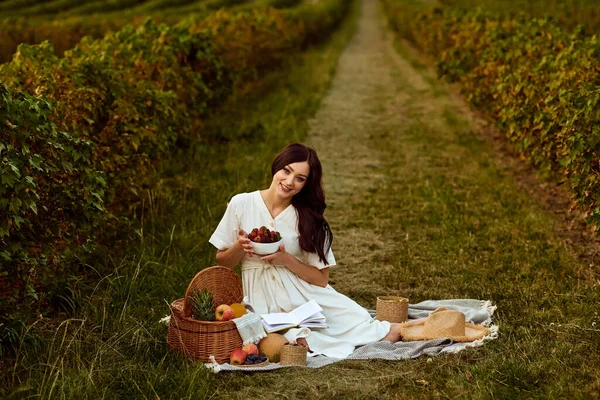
(442, 323)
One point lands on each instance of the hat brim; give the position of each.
(413, 330)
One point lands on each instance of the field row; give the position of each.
(65, 31)
(568, 14)
(83, 134)
(67, 8)
(539, 83)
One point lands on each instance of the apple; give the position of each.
(237, 357)
(224, 313)
(250, 348)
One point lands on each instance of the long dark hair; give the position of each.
(315, 234)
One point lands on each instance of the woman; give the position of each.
(293, 205)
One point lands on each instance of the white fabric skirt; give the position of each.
(273, 288)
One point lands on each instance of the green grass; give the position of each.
(452, 223)
(462, 228)
(112, 345)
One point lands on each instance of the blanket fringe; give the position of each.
(213, 365)
(494, 330)
(490, 308)
(254, 339)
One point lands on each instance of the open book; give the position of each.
(308, 315)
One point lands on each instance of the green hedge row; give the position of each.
(540, 84)
(567, 14)
(50, 193)
(85, 131)
(66, 32)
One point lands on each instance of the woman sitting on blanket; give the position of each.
(293, 205)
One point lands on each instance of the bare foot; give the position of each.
(394, 333)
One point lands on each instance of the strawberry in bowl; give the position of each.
(264, 241)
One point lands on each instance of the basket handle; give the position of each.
(219, 281)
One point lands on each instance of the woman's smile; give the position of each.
(287, 189)
(292, 178)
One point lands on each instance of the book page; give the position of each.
(305, 311)
(276, 328)
(315, 317)
(277, 318)
(314, 324)
(294, 317)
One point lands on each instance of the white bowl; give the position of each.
(265, 248)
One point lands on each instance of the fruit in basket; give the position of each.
(271, 346)
(202, 305)
(237, 357)
(250, 349)
(238, 309)
(224, 313)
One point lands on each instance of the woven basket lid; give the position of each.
(222, 282)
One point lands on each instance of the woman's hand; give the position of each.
(306, 272)
(280, 257)
(245, 242)
(232, 256)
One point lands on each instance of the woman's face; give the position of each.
(291, 179)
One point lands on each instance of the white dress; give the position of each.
(274, 288)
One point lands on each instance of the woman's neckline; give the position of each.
(262, 200)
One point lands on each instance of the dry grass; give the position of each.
(420, 205)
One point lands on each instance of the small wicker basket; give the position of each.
(199, 340)
(293, 355)
(392, 309)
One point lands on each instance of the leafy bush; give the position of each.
(51, 197)
(540, 84)
(101, 119)
(568, 15)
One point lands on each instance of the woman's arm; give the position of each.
(308, 273)
(232, 256)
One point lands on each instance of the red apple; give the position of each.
(237, 357)
(250, 348)
(224, 313)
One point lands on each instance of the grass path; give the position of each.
(366, 102)
(422, 206)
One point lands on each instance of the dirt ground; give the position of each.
(376, 91)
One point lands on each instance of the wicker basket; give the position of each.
(392, 309)
(293, 355)
(199, 340)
